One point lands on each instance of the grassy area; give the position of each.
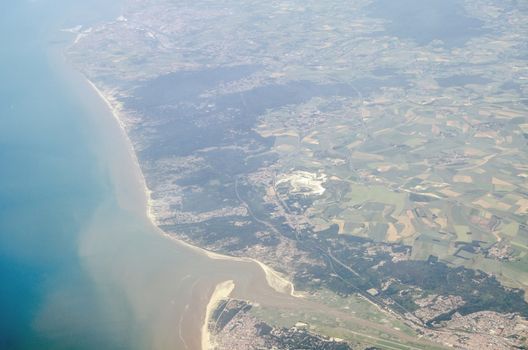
(462, 233)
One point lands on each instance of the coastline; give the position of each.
(221, 292)
(273, 278)
(115, 108)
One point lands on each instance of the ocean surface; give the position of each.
(81, 265)
(50, 184)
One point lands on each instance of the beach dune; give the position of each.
(221, 292)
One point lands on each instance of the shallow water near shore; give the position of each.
(81, 265)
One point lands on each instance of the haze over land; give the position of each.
(373, 152)
(370, 155)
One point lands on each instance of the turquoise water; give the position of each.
(50, 183)
(81, 264)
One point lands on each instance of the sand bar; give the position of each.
(221, 292)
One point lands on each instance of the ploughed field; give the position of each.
(355, 151)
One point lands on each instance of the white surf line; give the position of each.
(182, 316)
(180, 324)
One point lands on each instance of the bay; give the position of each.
(81, 265)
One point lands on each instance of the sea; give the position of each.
(81, 264)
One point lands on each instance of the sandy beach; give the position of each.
(274, 279)
(221, 292)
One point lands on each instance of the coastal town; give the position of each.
(378, 165)
(233, 327)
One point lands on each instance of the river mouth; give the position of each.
(81, 264)
(164, 286)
